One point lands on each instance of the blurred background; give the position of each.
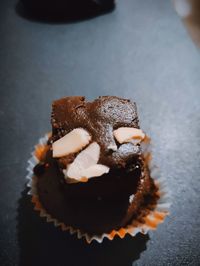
(189, 11)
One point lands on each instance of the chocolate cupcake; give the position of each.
(93, 175)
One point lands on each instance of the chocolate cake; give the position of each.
(93, 176)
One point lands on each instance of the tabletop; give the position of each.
(141, 50)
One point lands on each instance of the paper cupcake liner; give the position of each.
(143, 224)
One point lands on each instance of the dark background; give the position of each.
(142, 51)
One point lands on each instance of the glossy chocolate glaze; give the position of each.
(99, 118)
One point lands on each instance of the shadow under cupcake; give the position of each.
(42, 244)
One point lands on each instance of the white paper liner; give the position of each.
(149, 222)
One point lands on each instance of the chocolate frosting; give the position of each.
(99, 117)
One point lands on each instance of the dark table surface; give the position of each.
(142, 51)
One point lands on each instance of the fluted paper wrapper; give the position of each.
(147, 222)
